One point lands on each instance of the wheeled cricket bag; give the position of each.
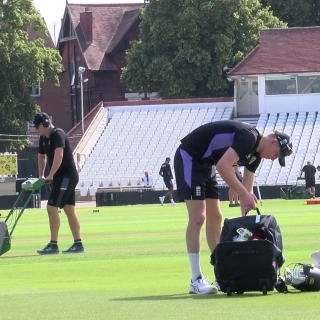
(251, 265)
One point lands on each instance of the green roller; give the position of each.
(28, 188)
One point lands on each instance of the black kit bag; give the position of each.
(251, 265)
(262, 227)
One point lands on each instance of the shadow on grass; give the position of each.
(20, 256)
(181, 296)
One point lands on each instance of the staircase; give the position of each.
(75, 134)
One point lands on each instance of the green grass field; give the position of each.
(136, 267)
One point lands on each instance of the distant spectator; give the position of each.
(147, 180)
(318, 172)
(166, 173)
(309, 177)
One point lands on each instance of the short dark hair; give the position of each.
(167, 159)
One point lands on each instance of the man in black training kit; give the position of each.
(166, 173)
(309, 177)
(54, 146)
(219, 145)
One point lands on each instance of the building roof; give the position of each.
(289, 50)
(111, 22)
(33, 35)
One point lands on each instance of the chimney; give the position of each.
(86, 23)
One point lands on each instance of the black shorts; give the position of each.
(310, 182)
(168, 184)
(195, 181)
(63, 191)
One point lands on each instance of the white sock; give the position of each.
(172, 201)
(194, 259)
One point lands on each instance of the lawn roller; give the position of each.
(28, 188)
(297, 191)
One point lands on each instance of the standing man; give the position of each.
(166, 173)
(147, 180)
(54, 146)
(318, 172)
(309, 177)
(219, 145)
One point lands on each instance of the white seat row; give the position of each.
(139, 140)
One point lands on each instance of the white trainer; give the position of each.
(173, 203)
(216, 286)
(202, 286)
(161, 200)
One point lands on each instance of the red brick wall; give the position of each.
(168, 101)
(53, 102)
(71, 53)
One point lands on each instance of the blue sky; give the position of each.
(52, 10)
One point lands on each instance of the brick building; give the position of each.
(95, 38)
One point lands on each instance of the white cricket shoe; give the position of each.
(202, 286)
(216, 286)
(161, 200)
(173, 203)
(315, 256)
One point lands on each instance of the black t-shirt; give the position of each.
(58, 139)
(165, 171)
(309, 171)
(210, 141)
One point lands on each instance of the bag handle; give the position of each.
(258, 212)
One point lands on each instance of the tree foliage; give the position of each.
(23, 63)
(296, 13)
(184, 45)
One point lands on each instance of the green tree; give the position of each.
(296, 13)
(184, 45)
(23, 63)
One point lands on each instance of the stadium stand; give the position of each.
(137, 139)
(304, 130)
(125, 141)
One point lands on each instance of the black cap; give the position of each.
(285, 147)
(39, 118)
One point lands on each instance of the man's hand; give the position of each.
(48, 179)
(247, 202)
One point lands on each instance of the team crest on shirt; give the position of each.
(253, 159)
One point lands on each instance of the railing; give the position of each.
(78, 155)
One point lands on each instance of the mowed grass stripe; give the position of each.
(136, 267)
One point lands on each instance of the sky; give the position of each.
(52, 11)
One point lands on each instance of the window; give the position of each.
(35, 90)
(77, 68)
(281, 85)
(75, 79)
(308, 84)
(73, 74)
